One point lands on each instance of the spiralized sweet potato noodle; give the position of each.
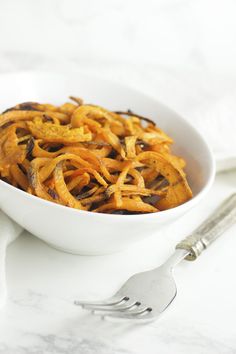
(86, 157)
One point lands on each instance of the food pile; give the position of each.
(86, 157)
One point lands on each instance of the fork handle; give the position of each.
(218, 222)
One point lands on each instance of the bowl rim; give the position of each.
(164, 213)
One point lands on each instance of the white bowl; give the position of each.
(85, 232)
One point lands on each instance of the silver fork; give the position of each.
(146, 295)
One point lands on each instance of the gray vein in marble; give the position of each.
(61, 344)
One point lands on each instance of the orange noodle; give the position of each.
(86, 157)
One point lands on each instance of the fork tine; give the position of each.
(108, 302)
(143, 314)
(128, 306)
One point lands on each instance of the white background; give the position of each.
(159, 46)
(184, 53)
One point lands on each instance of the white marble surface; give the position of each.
(40, 316)
(182, 52)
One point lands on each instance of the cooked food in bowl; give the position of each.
(89, 158)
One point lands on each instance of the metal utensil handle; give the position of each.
(221, 219)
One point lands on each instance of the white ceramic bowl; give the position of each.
(84, 232)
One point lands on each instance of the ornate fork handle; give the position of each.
(221, 219)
